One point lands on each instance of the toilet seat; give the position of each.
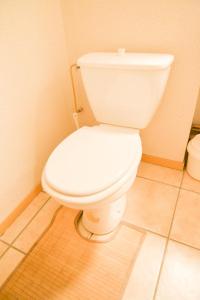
(93, 200)
(79, 174)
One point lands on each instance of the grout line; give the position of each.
(17, 249)
(30, 221)
(132, 226)
(167, 242)
(10, 245)
(46, 229)
(6, 250)
(2, 254)
(176, 186)
(184, 244)
(141, 229)
(4, 242)
(158, 181)
(33, 246)
(188, 190)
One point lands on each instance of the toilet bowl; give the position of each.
(91, 170)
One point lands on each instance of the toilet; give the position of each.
(93, 168)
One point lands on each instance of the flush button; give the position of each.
(121, 51)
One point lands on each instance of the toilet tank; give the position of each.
(124, 89)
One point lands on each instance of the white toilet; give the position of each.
(93, 168)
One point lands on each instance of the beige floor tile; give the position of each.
(8, 263)
(151, 205)
(180, 276)
(18, 225)
(3, 248)
(162, 174)
(142, 281)
(190, 183)
(38, 225)
(186, 225)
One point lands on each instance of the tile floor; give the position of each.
(163, 203)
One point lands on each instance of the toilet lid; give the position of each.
(92, 159)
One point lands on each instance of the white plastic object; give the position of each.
(125, 90)
(129, 60)
(193, 164)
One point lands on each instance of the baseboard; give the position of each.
(178, 165)
(19, 209)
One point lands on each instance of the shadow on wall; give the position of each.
(196, 119)
(86, 117)
(52, 123)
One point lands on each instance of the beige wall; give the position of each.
(34, 98)
(171, 26)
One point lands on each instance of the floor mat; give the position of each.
(62, 265)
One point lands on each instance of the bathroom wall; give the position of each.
(35, 108)
(145, 26)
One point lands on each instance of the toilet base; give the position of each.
(101, 224)
(98, 238)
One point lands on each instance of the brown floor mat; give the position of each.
(64, 266)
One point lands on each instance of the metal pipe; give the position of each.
(77, 109)
(75, 102)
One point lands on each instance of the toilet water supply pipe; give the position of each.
(77, 109)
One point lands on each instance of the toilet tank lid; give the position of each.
(126, 60)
